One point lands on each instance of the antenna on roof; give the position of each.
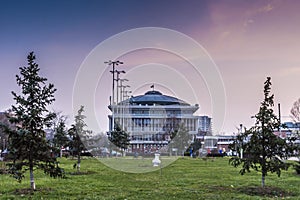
(152, 86)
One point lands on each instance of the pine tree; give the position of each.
(119, 137)
(60, 138)
(263, 150)
(79, 136)
(27, 142)
(180, 139)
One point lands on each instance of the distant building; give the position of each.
(289, 129)
(224, 141)
(205, 125)
(151, 118)
(293, 126)
(218, 142)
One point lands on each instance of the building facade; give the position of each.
(150, 119)
(205, 125)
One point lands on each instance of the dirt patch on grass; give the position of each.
(267, 191)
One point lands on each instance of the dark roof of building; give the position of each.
(156, 97)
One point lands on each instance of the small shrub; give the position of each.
(297, 167)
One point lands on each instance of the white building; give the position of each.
(151, 118)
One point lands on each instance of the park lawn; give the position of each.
(186, 178)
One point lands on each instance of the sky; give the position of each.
(246, 41)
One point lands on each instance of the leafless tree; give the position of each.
(295, 111)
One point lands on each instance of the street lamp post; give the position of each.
(118, 79)
(113, 63)
(121, 86)
(122, 91)
(126, 94)
(241, 151)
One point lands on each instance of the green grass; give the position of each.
(186, 178)
(139, 165)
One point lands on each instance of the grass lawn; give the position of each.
(186, 178)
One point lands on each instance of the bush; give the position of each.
(297, 167)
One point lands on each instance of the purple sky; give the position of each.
(248, 41)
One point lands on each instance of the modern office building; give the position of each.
(205, 125)
(151, 118)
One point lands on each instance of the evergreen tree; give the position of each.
(119, 137)
(79, 136)
(98, 143)
(196, 145)
(60, 138)
(263, 150)
(180, 139)
(27, 142)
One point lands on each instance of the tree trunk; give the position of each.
(60, 153)
(263, 180)
(263, 168)
(32, 183)
(78, 162)
(123, 153)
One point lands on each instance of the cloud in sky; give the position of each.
(252, 40)
(266, 8)
(248, 40)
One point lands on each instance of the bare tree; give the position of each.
(295, 111)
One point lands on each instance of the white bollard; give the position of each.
(156, 162)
